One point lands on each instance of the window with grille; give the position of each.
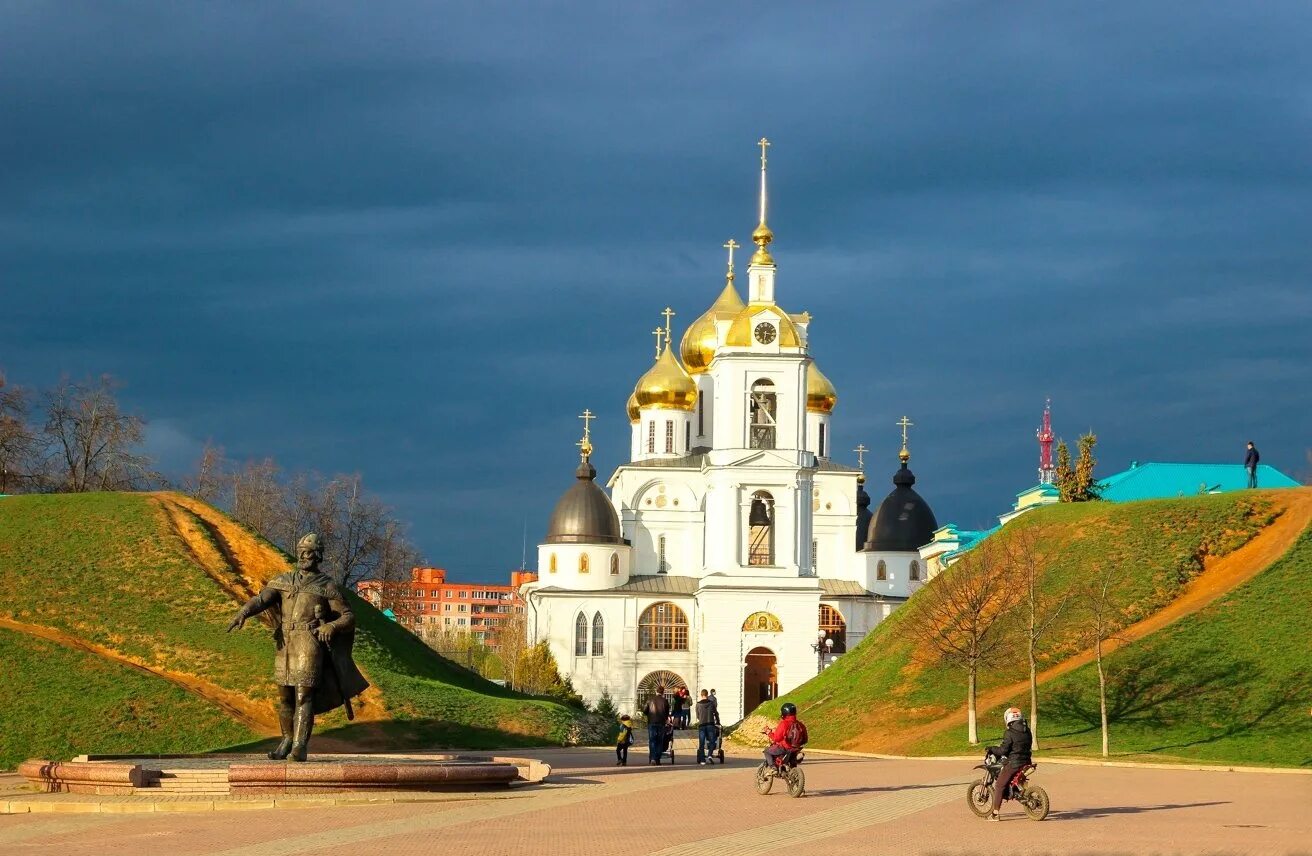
(663, 627)
(701, 419)
(598, 635)
(687, 437)
(815, 554)
(822, 439)
(580, 636)
(669, 436)
(661, 567)
(651, 437)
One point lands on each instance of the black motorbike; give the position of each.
(787, 767)
(1032, 798)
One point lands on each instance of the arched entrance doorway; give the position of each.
(760, 679)
(648, 685)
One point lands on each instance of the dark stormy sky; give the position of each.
(415, 240)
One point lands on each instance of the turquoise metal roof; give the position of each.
(1049, 489)
(1154, 480)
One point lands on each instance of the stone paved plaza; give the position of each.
(853, 805)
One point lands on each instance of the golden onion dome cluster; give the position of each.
(702, 338)
(666, 386)
(633, 406)
(820, 393)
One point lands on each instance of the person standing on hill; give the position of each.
(657, 712)
(1250, 463)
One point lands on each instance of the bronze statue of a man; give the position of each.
(313, 631)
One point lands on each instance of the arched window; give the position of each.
(614, 564)
(661, 566)
(915, 570)
(598, 635)
(663, 627)
(580, 636)
(583, 563)
(760, 529)
(762, 410)
(834, 627)
(881, 571)
(551, 563)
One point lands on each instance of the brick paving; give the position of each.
(853, 805)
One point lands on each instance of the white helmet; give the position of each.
(1012, 714)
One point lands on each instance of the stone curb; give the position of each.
(1080, 762)
(71, 804)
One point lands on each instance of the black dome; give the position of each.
(584, 515)
(904, 522)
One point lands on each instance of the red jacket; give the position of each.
(779, 736)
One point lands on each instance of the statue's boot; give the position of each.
(304, 725)
(286, 715)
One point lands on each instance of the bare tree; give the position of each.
(259, 500)
(1103, 611)
(955, 616)
(93, 440)
(19, 449)
(1039, 611)
(512, 643)
(210, 481)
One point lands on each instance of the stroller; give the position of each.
(715, 751)
(668, 738)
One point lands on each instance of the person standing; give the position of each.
(657, 712)
(623, 741)
(1250, 463)
(706, 722)
(677, 707)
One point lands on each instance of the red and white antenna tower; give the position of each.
(1047, 472)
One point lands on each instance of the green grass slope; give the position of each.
(1231, 683)
(109, 571)
(884, 688)
(60, 702)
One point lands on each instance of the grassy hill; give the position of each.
(1227, 682)
(129, 595)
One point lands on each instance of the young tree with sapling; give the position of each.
(209, 483)
(93, 441)
(512, 645)
(1038, 611)
(956, 616)
(1103, 608)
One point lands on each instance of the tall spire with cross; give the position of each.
(762, 236)
(730, 245)
(659, 333)
(668, 313)
(905, 454)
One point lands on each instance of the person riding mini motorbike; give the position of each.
(782, 735)
(1016, 746)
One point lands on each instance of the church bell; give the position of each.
(760, 515)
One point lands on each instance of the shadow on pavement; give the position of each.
(843, 792)
(1109, 811)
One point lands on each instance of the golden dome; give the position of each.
(666, 385)
(700, 342)
(632, 406)
(740, 332)
(820, 393)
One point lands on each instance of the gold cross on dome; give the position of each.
(905, 423)
(731, 246)
(668, 313)
(659, 333)
(763, 144)
(585, 445)
(861, 456)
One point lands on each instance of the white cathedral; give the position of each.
(732, 552)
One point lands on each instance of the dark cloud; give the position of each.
(414, 240)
